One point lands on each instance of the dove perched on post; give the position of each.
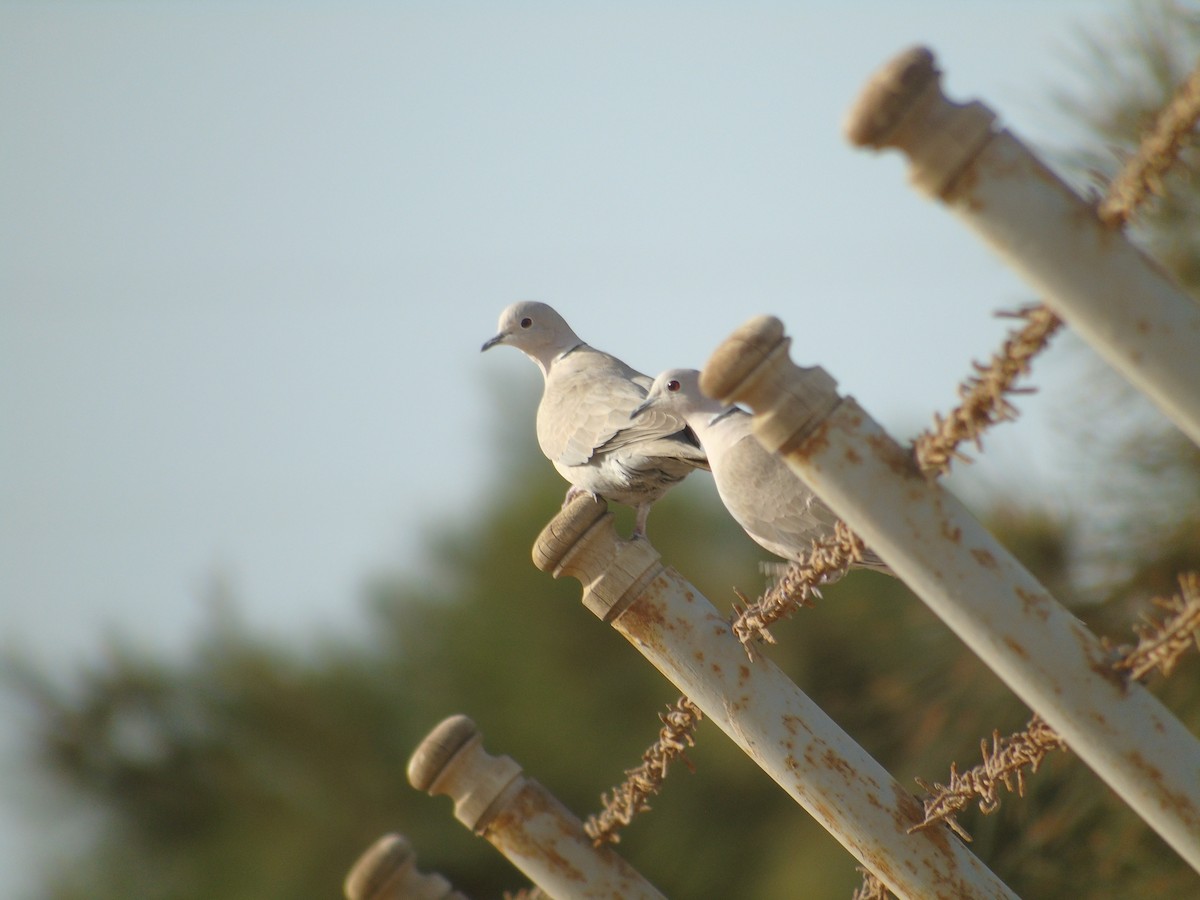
(764, 496)
(584, 424)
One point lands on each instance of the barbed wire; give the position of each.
(984, 395)
(1159, 149)
(1161, 644)
(871, 888)
(642, 783)
(827, 561)
(1008, 761)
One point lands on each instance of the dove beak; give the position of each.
(493, 341)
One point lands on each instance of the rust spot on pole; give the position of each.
(1179, 803)
(642, 618)
(1098, 659)
(1037, 604)
(952, 534)
(895, 457)
(1015, 647)
(508, 831)
(984, 558)
(836, 763)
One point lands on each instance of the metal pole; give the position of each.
(759, 708)
(1089, 273)
(520, 818)
(388, 871)
(1047, 656)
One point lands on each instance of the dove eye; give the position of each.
(672, 385)
(526, 322)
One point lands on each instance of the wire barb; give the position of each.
(827, 560)
(642, 783)
(871, 888)
(1161, 644)
(1005, 763)
(984, 395)
(1143, 174)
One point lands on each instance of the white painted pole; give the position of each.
(755, 704)
(1047, 656)
(520, 818)
(388, 871)
(1089, 273)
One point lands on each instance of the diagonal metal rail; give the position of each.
(1118, 299)
(821, 767)
(1046, 655)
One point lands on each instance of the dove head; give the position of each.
(679, 391)
(536, 330)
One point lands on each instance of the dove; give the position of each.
(584, 422)
(773, 506)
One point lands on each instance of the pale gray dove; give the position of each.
(763, 495)
(584, 424)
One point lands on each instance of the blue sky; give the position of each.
(248, 253)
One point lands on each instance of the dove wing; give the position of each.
(770, 502)
(586, 406)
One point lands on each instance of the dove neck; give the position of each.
(715, 426)
(546, 361)
(723, 414)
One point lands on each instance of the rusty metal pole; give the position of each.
(388, 871)
(1046, 655)
(759, 708)
(1089, 273)
(520, 818)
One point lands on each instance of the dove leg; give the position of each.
(642, 513)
